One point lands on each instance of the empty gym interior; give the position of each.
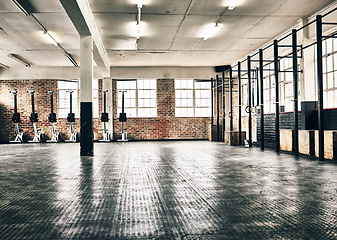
(168, 119)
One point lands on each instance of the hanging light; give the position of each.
(211, 31)
(14, 57)
(67, 56)
(140, 4)
(50, 38)
(233, 4)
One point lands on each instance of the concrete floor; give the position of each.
(164, 190)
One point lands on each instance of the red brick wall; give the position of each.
(166, 125)
(42, 107)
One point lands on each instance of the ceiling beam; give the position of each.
(80, 14)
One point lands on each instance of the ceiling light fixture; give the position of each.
(233, 4)
(140, 4)
(138, 35)
(138, 21)
(211, 31)
(3, 65)
(22, 7)
(67, 56)
(18, 59)
(50, 38)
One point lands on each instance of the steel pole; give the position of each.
(262, 100)
(239, 89)
(250, 138)
(295, 90)
(320, 86)
(277, 99)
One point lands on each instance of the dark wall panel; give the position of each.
(286, 122)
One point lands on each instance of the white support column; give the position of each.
(86, 78)
(107, 85)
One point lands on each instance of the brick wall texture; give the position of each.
(42, 107)
(166, 125)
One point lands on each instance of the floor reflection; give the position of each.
(164, 190)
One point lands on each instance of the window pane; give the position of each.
(203, 112)
(140, 98)
(192, 95)
(325, 81)
(329, 63)
(140, 83)
(64, 98)
(325, 98)
(330, 103)
(177, 84)
(288, 90)
(330, 80)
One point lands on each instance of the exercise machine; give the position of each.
(34, 119)
(105, 119)
(16, 120)
(52, 119)
(123, 119)
(71, 120)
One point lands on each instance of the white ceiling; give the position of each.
(172, 30)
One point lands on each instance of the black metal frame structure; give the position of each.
(226, 86)
(295, 56)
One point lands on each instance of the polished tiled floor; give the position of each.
(164, 190)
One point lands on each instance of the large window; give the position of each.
(330, 73)
(193, 98)
(269, 89)
(286, 94)
(64, 98)
(255, 87)
(140, 98)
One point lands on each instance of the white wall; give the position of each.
(161, 72)
(66, 73)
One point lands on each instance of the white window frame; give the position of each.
(329, 73)
(76, 101)
(137, 109)
(193, 107)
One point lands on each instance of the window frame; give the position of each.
(77, 100)
(326, 72)
(95, 110)
(194, 106)
(137, 99)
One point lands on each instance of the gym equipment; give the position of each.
(71, 120)
(105, 119)
(34, 119)
(52, 119)
(16, 120)
(123, 119)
